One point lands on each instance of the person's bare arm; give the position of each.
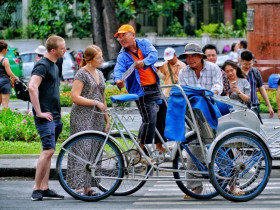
(80, 100)
(8, 69)
(107, 118)
(33, 86)
(266, 99)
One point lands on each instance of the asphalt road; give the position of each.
(15, 195)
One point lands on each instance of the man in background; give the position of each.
(170, 69)
(211, 52)
(255, 79)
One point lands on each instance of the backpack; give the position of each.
(21, 90)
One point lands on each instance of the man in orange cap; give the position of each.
(143, 81)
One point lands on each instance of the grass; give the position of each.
(21, 148)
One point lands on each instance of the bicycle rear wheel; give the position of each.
(75, 162)
(205, 188)
(249, 168)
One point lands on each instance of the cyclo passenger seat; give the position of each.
(205, 111)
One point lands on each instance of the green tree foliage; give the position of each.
(7, 8)
(50, 17)
(175, 29)
(224, 30)
(210, 29)
(128, 9)
(81, 26)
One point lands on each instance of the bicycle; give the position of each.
(115, 163)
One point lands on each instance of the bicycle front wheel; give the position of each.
(240, 160)
(77, 167)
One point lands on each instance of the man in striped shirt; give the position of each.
(200, 73)
(254, 77)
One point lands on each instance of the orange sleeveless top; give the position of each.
(147, 77)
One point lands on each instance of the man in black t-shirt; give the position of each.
(44, 95)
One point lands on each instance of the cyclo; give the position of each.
(233, 154)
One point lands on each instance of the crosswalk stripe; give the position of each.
(168, 193)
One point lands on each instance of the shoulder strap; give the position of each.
(2, 59)
(170, 73)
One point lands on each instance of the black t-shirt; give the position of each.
(59, 65)
(278, 82)
(49, 97)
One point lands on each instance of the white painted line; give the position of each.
(190, 202)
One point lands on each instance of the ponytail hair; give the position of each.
(90, 52)
(83, 63)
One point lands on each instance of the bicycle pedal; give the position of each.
(158, 156)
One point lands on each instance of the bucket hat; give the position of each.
(192, 48)
(41, 50)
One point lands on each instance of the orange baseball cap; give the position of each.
(123, 29)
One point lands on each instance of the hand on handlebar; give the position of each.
(120, 83)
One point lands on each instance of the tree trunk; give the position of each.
(111, 26)
(98, 26)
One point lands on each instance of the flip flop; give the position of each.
(237, 192)
(189, 197)
(92, 193)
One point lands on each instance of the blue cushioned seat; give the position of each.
(124, 98)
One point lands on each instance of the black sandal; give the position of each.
(92, 193)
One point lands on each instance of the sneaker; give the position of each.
(51, 194)
(37, 195)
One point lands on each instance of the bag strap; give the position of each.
(2, 60)
(170, 73)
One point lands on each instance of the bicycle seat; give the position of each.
(124, 98)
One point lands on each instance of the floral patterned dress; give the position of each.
(83, 118)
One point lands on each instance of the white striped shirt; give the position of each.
(210, 77)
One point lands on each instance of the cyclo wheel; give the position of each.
(206, 188)
(81, 152)
(250, 153)
(128, 187)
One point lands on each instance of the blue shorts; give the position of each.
(49, 132)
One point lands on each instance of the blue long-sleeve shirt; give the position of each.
(125, 60)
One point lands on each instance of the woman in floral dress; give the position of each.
(87, 114)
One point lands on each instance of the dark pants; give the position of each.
(256, 108)
(160, 125)
(148, 108)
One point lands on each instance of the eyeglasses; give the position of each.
(247, 64)
(124, 35)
